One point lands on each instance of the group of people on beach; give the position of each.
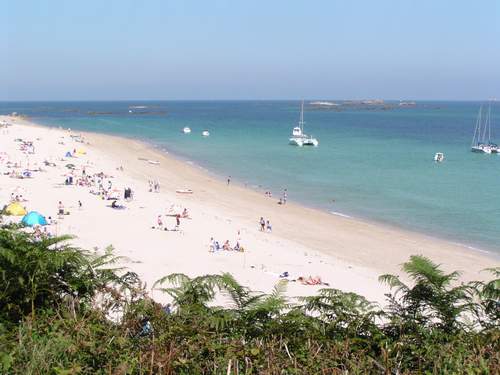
(216, 246)
(283, 198)
(161, 225)
(153, 186)
(265, 225)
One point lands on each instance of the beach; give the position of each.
(347, 253)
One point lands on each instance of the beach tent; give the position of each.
(34, 218)
(16, 209)
(68, 154)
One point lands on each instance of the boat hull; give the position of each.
(485, 150)
(296, 142)
(311, 142)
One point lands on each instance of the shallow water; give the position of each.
(374, 164)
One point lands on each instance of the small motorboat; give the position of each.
(439, 157)
(186, 130)
(154, 162)
(205, 133)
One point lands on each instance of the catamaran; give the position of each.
(298, 137)
(481, 140)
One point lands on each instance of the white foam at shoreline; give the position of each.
(340, 214)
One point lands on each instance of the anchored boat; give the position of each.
(481, 140)
(299, 138)
(439, 157)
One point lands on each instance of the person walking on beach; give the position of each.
(160, 222)
(262, 224)
(269, 228)
(80, 205)
(177, 221)
(285, 196)
(60, 209)
(228, 180)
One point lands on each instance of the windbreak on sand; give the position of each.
(15, 209)
(34, 218)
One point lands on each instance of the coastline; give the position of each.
(470, 241)
(346, 252)
(481, 248)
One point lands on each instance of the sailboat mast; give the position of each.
(484, 129)
(489, 123)
(301, 124)
(477, 130)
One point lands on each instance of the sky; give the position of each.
(259, 49)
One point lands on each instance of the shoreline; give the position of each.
(482, 249)
(349, 253)
(215, 175)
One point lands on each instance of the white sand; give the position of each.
(347, 253)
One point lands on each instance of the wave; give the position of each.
(340, 214)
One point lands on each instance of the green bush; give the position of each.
(57, 304)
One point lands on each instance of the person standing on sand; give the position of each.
(285, 196)
(211, 245)
(269, 228)
(228, 180)
(60, 209)
(177, 221)
(262, 224)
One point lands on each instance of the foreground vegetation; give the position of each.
(67, 311)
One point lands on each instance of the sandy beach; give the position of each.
(348, 254)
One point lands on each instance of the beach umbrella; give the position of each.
(70, 166)
(15, 209)
(34, 218)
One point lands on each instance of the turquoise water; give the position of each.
(375, 164)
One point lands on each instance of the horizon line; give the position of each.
(237, 100)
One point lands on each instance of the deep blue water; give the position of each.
(375, 164)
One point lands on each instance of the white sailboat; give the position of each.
(481, 140)
(299, 138)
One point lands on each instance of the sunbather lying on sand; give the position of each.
(311, 281)
(117, 206)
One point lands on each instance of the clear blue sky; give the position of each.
(269, 49)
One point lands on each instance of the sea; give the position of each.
(374, 162)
